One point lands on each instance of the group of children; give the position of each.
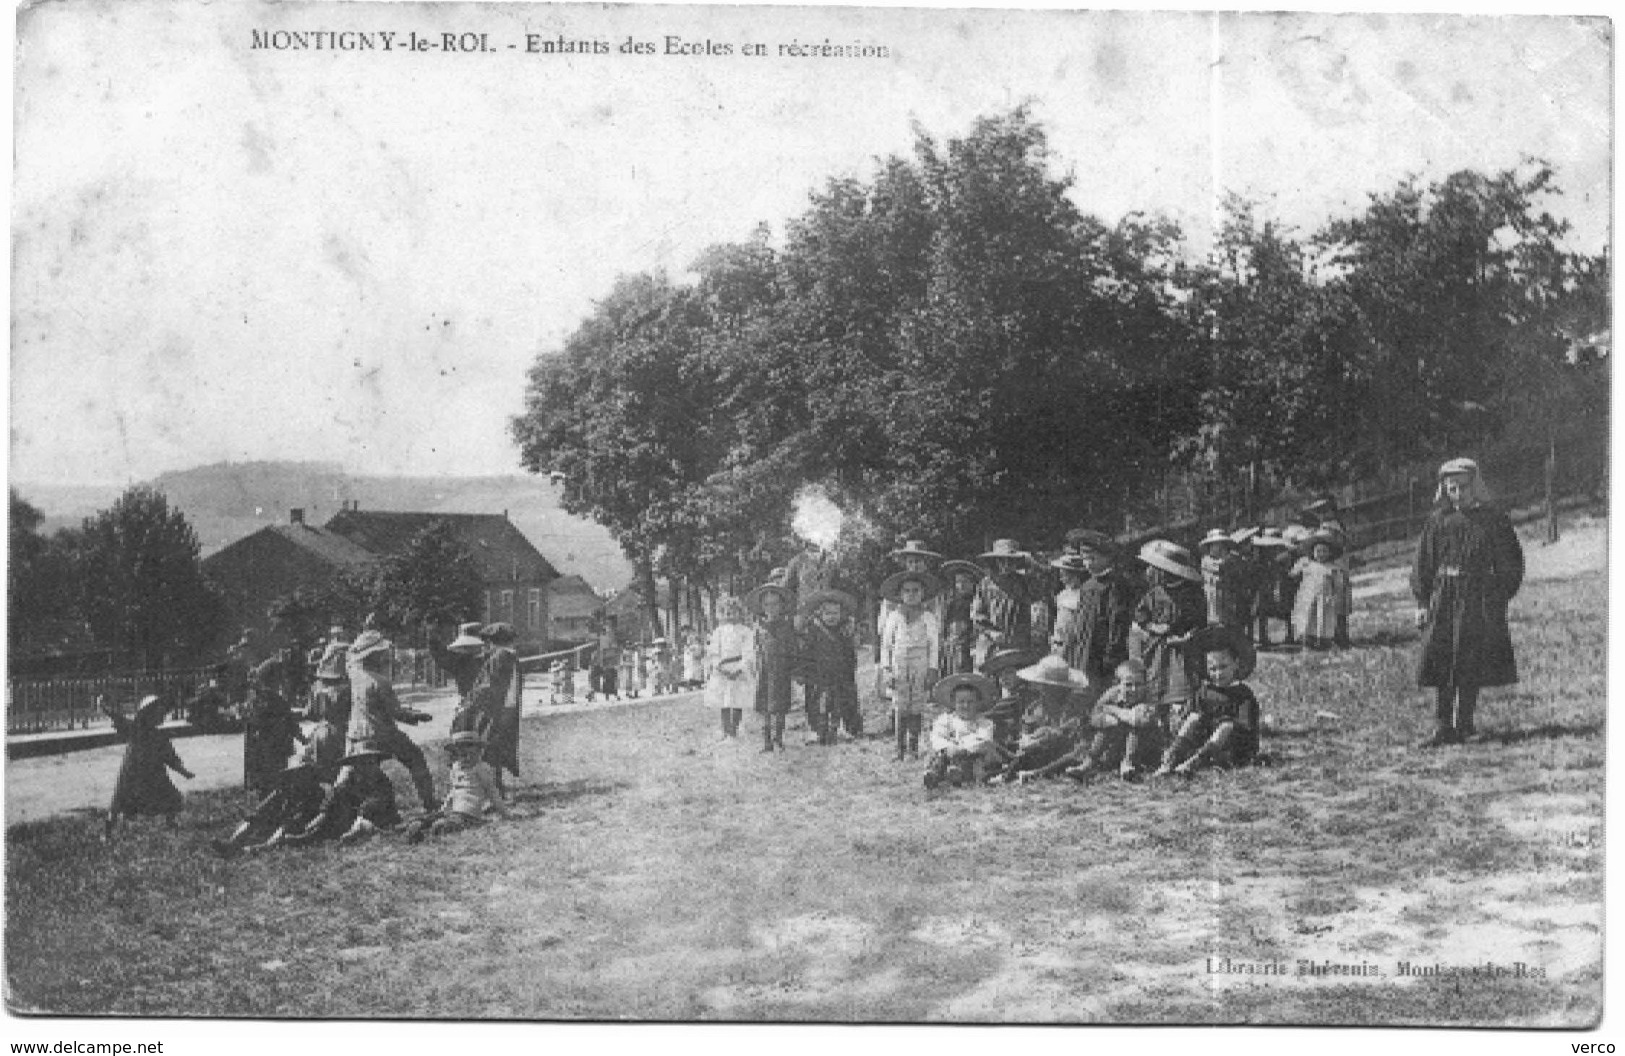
(656, 668)
(1138, 675)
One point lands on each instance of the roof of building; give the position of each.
(501, 550)
(329, 547)
(571, 584)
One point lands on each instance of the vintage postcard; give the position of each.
(564, 512)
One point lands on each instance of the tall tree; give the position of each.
(432, 581)
(143, 589)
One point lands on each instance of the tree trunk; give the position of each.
(649, 599)
(674, 605)
(1551, 485)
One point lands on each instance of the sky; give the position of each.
(229, 253)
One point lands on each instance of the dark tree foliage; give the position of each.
(140, 586)
(433, 581)
(956, 349)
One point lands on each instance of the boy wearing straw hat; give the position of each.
(1221, 579)
(461, 658)
(910, 645)
(1220, 725)
(472, 794)
(1172, 609)
(1003, 608)
(830, 652)
(962, 744)
(375, 712)
(778, 659)
(329, 708)
(1051, 725)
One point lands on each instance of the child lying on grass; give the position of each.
(293, 803)
(473, 792)
(361, 802)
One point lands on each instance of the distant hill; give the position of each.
(229, 500)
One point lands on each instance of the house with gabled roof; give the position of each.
(278, 559)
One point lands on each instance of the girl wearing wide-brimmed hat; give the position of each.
(143, 785)
(1172, 609)
(913, 556)
(910, 653)
(1065, 636)
(1468, 567)
(778, 658)
(730, 663)
(1323, 597)
(1003, 608)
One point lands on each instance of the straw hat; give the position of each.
(1331, 539)
(916, 548)
(1217, 636)
(368, 643)
(150, 704)
(1458, 465)
(1005, 659)
(1087, 539)
(1170, 557)
(1241, 535)
(468, 639)
(1054, 671)
(1269, 537)
(1006, 548)
(949, 569)
(753, 600)
(1215, 535)
(892, 588)
(1322, 505)
(469, 737)
(1071, 563)
(815, 600)
(363, 752)
(942, 694)
(331, 665)
(1295, 534)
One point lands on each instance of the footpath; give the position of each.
(51, 782)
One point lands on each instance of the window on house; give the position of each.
(534, 609)
(507, 606)
(490, 605)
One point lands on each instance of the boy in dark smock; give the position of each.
(778, 660)
(829, 651)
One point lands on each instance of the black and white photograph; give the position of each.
(526, 514)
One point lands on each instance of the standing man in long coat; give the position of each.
(1468, 567)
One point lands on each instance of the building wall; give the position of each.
(522, 604)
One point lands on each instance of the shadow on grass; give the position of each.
(1550, 731)
(558, 793)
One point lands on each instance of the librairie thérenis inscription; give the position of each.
(470, 43)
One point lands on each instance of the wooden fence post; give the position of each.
(1551, 486)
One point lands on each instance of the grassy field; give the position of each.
(653, 875)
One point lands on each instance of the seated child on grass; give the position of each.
(1015, 695)
(962, 744)
(1220, 725)
(1126, 731)
(473, 791)
(1050, 727)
